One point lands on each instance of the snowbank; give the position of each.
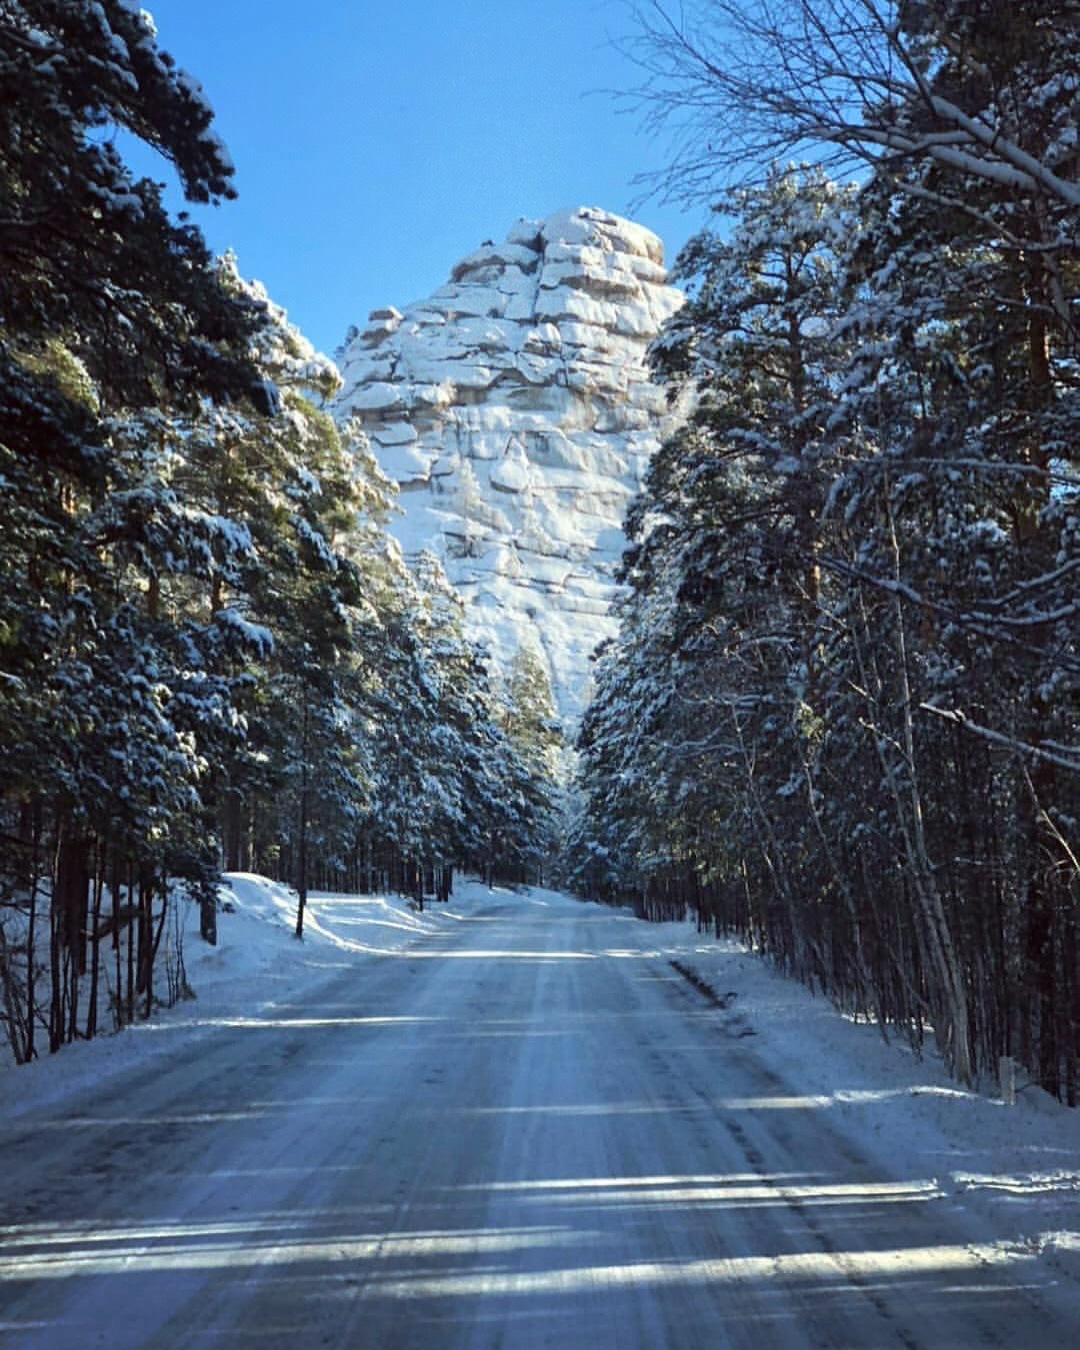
(1019, 1164)
(257, 962)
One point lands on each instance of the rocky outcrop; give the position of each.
(516, 413)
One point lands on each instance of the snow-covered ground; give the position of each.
(1018, 1164)
(256, 963)
(511, 1122)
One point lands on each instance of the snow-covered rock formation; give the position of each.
(516, 413)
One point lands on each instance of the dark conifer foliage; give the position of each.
(112, 319)
(210, 651)
(851, 641)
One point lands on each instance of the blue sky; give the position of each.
(377, 143)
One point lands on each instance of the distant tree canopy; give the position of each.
(841, 717)
(210, 650)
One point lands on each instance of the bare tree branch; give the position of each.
(1000, 738)
(739, 83)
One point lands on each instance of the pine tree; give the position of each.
(862, 750)
(532, 765)
(113, 316)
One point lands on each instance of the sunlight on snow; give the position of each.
(182, 1247)
(136, 1251)
(500, 954)
(612, 1108)
(265, 1021)
(685, 1191)
(596, 1183)
(806, 1265)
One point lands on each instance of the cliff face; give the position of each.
(515, 411)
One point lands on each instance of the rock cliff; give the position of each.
(516, 413)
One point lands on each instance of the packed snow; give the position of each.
(512, 1120)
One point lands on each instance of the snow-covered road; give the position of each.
(518, 1132)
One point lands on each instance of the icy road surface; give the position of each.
(515, 1133)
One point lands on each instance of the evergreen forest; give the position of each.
(212, 654)
(841, 716)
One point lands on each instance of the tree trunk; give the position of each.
(130, 1002)
(301, 862)
(31, 933)
(95, 944)
(951, 1004)
(155, 940)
